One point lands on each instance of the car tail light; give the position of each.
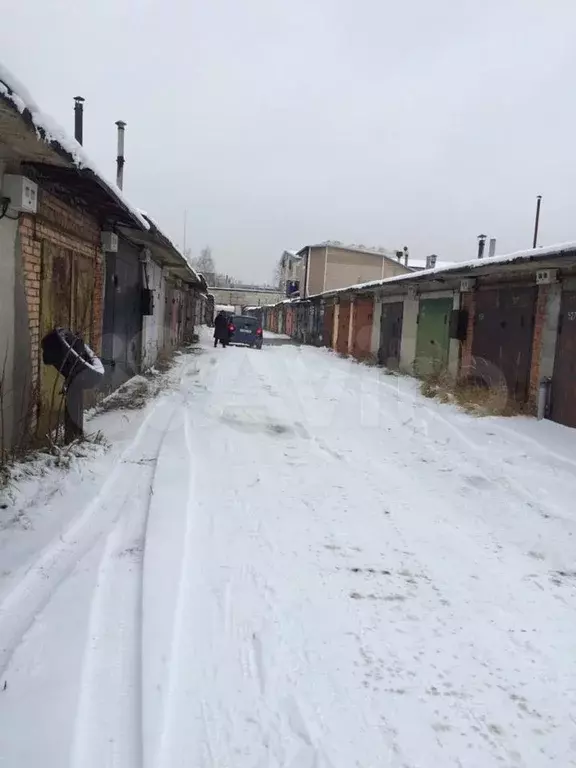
(231, 328)
(259, 332)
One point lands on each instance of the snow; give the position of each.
(48, 130)
(384, 252)
(531, 254)
(290, 560)
(421, 263)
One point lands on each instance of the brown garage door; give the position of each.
(362, 338)
(502, 342)
(328, 325)
(343, 326)
(563, 401)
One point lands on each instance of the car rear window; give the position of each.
(245, 322)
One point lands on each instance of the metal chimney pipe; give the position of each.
(79, 118)
(537, 222)
(405, 255)
(492, 247)
(481, 246)
(120, 154)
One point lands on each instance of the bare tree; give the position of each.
(278, 277)
(205, 264)
(206, 260)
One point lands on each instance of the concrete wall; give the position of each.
(545, 336)
(335, 326)
(344, 268)
(316, 271)
(454, 348)
(245, 298)
(15, 350)
(393, 268)
(409, 333)
(351, 325)
(153, 325)
(550, 331)
(8, 232)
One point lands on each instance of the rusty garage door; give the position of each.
(328, 325)
(433, 336)
(67, 298)
(343, 327)
(502, 341)
(362, 334)
(390, 334)
(56, 311)
(563, 400)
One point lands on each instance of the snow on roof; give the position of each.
(49, 131)
(386, 253)
(152, 223)
(421, 263)
(530, 254)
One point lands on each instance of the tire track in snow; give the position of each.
(31, 594)
(108, 729)
(168, 718)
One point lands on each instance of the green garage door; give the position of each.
(433, 337)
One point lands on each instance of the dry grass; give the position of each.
(475, 397)
(130, 396)
(165, 361)
(38, 461)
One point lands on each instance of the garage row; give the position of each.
(507, 323)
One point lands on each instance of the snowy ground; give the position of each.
(289, 560)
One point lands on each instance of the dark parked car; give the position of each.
(245, 330)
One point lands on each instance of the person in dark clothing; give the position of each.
(221, 333)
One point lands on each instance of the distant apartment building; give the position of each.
(290, 273)
(326, 266)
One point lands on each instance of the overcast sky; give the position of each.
(275, 123)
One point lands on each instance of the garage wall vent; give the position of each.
(546, 276)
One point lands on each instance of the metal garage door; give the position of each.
(328, 325)
(563, 401)
(122, 323)
(390, 334)
(343, 326)
(363, 317)
(502, 341)
(433, 337)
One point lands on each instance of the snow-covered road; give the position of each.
(289, 560)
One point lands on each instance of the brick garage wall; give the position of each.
(62, 225)
(31, 250)
(72, 228)
(539, 324)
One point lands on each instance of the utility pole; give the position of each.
(537, 221)
(184, 237)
